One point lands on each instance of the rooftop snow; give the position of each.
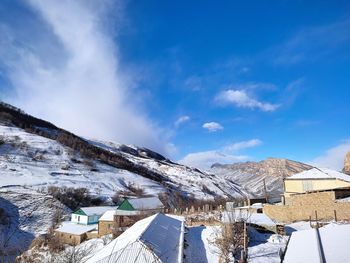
(75, 229)
(146, 203)
(320, 173)
(157, 238)
(97, 210)
(108, 215)
(335, 241)
(253, 218)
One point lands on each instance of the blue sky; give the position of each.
(202, 83)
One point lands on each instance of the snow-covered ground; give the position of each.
(265, 248)
(200, 245)
(30, 214)
(32, 160)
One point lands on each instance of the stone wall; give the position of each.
(304, 206)
(70, 239)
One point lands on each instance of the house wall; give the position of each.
(83, 219)
(70, 239)
(106, 227)
(302, 206)
(93, 219)
(304, 185)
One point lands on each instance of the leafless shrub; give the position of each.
(137, 190)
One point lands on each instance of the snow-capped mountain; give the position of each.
(252, 175)
(37, 154)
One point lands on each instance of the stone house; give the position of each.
(316, 179)
(74, 234)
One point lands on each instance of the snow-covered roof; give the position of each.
(108, 215)
(158, 238)
(75, 229)
(97, 210)
(320, 173)
(252, 218)
(146, 203)
(303, 245)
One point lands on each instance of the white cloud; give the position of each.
(205, 159)
(181, 120)
(334, 157)
(212, 126)
(241, 99)
(243, 145)
(227, 154)
(67, 71)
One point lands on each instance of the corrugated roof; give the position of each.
(146, 203)
(75, 229)
(157, 238)
(320, 173)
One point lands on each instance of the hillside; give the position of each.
(251, 175)
(38, 154)
(25, 214)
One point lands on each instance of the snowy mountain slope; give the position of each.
(38, 154)
(26, 214)
(251, 175)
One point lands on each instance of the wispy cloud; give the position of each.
(212, 126)
(226, 154)
(181, 120)
(334, 157)
(311, 43)
(76, 80)
(241, 99)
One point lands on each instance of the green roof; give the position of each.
(80, 212)
(125, 205)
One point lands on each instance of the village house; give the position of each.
(316, 179)
(128, 212)
(316, 194)
(89, 215)
(158, 238)
(74, 234)
(146, 205)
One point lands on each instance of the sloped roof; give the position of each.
(75, 229)
(108, 215)
(303, 245)
(158, 238)
(96, 210)
(320, 173)
(146, 203)
(249, 217)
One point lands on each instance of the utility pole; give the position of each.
(266, 197)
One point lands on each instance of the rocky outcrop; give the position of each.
(252, 175)
(346, 168)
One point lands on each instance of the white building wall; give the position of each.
(80, 219)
